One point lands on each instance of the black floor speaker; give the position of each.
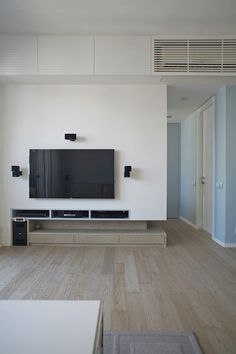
(19, 228)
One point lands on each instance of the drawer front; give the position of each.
(142, 239)
(50, 238)
(83, 238)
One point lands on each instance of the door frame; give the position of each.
(199, 162)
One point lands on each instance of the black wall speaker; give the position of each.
(16, 172)
(127, 171)
(70, 136)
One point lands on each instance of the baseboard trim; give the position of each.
(224, 244)
(230, 245)
(188, 222)
(218, 241)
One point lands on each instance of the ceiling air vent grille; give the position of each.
(229, 56)
(170, 55)
(195, 56)
(205, 56)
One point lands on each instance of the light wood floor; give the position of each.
(190, 285)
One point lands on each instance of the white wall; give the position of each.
(129, 118)
(225, 166)
(220, 164)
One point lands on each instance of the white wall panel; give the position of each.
(65, 55)
(18, 55)
(122, 55)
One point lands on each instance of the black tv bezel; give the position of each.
(72, 197)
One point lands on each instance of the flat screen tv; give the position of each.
(71, 173)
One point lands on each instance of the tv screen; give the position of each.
(71, 174)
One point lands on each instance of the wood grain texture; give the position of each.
(61, 232)
(190, 285)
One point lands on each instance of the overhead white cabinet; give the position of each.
(75, 55)
(18, 54)
(128, 55)
(65, 55)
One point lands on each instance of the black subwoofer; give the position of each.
(19, 228)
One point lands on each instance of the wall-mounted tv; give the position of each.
(71, 173)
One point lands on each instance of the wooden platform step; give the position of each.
(152, 236)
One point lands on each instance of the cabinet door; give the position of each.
(65, 55)
(122, 55)
(18, 55)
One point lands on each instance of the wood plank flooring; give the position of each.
(190, 285)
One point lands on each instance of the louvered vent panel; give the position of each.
(205, 56)
(170, 55)
(229, 56)
(195, 56)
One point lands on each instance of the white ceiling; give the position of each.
(194, 90)
(174, 17)
(118, 16)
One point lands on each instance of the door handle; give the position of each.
(203, 180)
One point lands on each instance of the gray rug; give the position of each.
(150, 343)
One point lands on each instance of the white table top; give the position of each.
(48, 327)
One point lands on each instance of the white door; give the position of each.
(207, 168)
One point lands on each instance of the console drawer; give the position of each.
(96, 238)
(35, 237)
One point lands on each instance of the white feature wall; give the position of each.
(128, 118)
